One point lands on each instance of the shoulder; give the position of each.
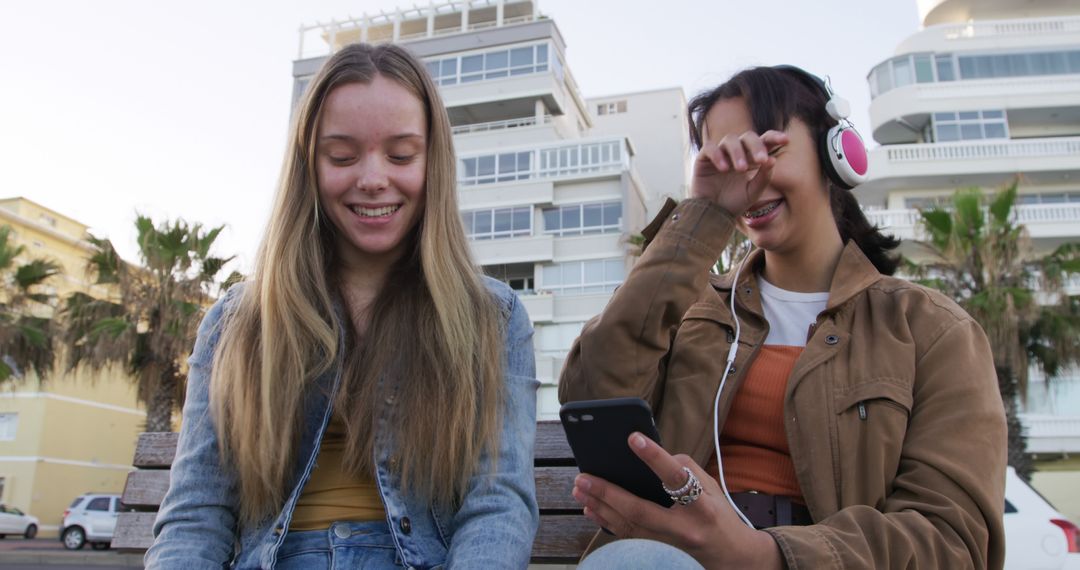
(214, 321)
(928, 311)
(504, 297)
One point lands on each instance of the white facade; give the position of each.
(987, 92)
(550, 192)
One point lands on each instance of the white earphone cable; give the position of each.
(723, 379)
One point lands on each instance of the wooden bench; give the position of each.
(563, 535)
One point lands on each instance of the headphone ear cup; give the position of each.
(844, 157)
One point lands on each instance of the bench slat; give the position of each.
(562, 538)
(144, 490)
(551, 446)
(134, 531)
(155, 450)
(553, 486)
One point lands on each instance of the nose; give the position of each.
(372, 177)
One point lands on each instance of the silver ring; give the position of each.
(688, 493)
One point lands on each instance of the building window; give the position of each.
(523, 285)
(498, 223)
(927, 68)
(9, 424)
(970, 125)
(544, 163)
(579, 219)
(611, 108)
(489, 65)
(577, 277)
(502, 167)
(576, 159)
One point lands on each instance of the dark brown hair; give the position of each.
(773, 97)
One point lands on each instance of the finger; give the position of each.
(618, 506)
(666, 467)
(618, 523)
(774, 140)
(755, 148)
(708, 482)
(733, 148)
(760, 180)
(712, 154)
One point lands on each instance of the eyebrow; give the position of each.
(348, 138)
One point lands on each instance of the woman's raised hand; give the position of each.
(733, 172)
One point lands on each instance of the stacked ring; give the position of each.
(689, 492)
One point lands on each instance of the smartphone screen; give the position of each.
(597, 431)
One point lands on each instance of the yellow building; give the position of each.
(74, 433)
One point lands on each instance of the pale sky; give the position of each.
(180, 109)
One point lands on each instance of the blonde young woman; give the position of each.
(368, 398)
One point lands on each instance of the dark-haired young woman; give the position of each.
(856, 416)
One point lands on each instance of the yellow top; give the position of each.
(333, 494)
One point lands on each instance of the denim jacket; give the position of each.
(493, 527)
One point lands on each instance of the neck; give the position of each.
(361, 281)
(808, 268)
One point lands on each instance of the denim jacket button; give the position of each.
(406, 525)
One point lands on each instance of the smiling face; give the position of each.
(371, 157)
(794, 208)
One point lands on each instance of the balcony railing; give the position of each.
(1023, 27)
(983, 150)
(1051, 434)
(499, 125)
(905, 222)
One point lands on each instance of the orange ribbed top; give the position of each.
(753, 443)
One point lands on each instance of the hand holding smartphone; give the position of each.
(597, 431)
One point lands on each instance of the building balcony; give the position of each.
(1031, 102)
(581, 158)
(548, 368)
(999, 31)
(475, 100)
(540, 306)
(1051, 434)
(986, 163)
(532, 249)
(473, 137)
(1043, 221)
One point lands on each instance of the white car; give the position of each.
(90, 518)
(15, 522)
(1037, 536)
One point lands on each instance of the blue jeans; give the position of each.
(343, 545)
(639, 554)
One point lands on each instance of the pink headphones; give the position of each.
(841, 149)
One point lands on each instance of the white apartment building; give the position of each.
(988, 91)
(552, 187)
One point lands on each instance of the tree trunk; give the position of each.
(160, 407)
(1018, 456)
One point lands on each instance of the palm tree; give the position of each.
(148, 324)
(985, 261)
(26, 310)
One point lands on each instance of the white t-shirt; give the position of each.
(790, 314)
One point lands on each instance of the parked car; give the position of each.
(15, 522)
(90, 518)
(1037, 536)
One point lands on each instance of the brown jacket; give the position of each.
(892, 412)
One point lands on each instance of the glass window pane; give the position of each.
(944, 116)
(472, 63)
(967, 67)
(482, 222)
(521, 56)
(486, 165)
(924, 69)
(1074, 61)
(971, 132)
(993, 114)
(968, 115)
(541, 53)
(1053, 198)
(612, 213)
(572, 273)
(496, 74)
(1055, 63)
(884, 78)
(944, 67)
(551, 219)
(433, 68)
(495, 60)
(524, 163)
(902, 72)
(98, 504)
(947, 133)
(613, 270)
(470, 167)
(1027, 198)
(507, 162)
(552, 276)
(594, 271)
(502, 219)
(571, 218)
(522, 219)
(995, 131)
(466, 221)
(593, 215)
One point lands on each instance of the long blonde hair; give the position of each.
(434, 344)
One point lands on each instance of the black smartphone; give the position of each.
(597, 431)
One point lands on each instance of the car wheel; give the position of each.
(31, 531)
(74, 538)
(3, 536)
(99, 545)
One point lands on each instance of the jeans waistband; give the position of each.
(371, 534)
